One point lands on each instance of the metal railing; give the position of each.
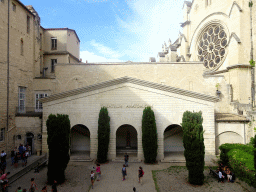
(28, 111)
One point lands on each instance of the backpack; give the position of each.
(142, 172)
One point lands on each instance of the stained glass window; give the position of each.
(212, 45)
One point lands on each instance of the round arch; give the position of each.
(126, 139)
(227, 137)
(79, 139)
(173, 142)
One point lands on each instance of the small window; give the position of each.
(54, 61)
(2, 134)
(54, 43)
(19, 137)
(21, 46)
(13, 7)
(28, 24)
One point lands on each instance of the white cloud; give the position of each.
(106, 51)
(152, 23)
(91, 57)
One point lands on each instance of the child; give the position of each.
(98, 172)
(124, 172)
(19, 189)
(221, 177)
(33, 185)
(141, 173)
(92, 178)
(126, 158)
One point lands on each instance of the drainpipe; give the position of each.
(251, 58)
(244, 134)
(8, 74)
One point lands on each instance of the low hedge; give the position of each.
(243, 165)
(241, 160)
(225, 148)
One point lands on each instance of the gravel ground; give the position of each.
(176, 179)
(168, 179)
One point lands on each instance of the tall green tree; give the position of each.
(193, 142)
(58, 131)
(255, 153)
(149, 135)
(103, 135)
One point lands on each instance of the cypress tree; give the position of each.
(58, 131)
(149, 135)
(255, 152)
(103, 135)
(193, 142)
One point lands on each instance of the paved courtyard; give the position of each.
(174, 179)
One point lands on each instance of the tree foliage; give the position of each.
(58, 131)
(193, 142)
(103, 135)
(149, 135)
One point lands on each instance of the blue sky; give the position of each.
(114, 30)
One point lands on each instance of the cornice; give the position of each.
(132, 81)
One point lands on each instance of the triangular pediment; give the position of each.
(131, 80)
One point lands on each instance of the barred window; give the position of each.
(212, 46)
(54, 43)
(53, 62)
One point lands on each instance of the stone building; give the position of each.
(206, 69)
(30, 53)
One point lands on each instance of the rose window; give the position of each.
(212, 46)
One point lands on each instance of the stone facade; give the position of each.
(29, 55)
(211, 54)
(125, 99)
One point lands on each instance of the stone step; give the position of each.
(126, 150)
(29, 167)
(130, 160)
(172, 161)
(81, 160)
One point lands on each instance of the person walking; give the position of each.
(98, 172)
(126, 158)
(141, 173)
(124, 172)
(54, 186)
(92, 178)
(33, 185)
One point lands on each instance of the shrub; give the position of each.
(149, 135)
(193, 142)
(225, 148)
(103, 135)
(240, 158)
(58, 131)
(254, 145)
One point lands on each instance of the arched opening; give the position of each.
(126, 141)
(173, 143)
(227, 137)
(80, 142)
(29, 141)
